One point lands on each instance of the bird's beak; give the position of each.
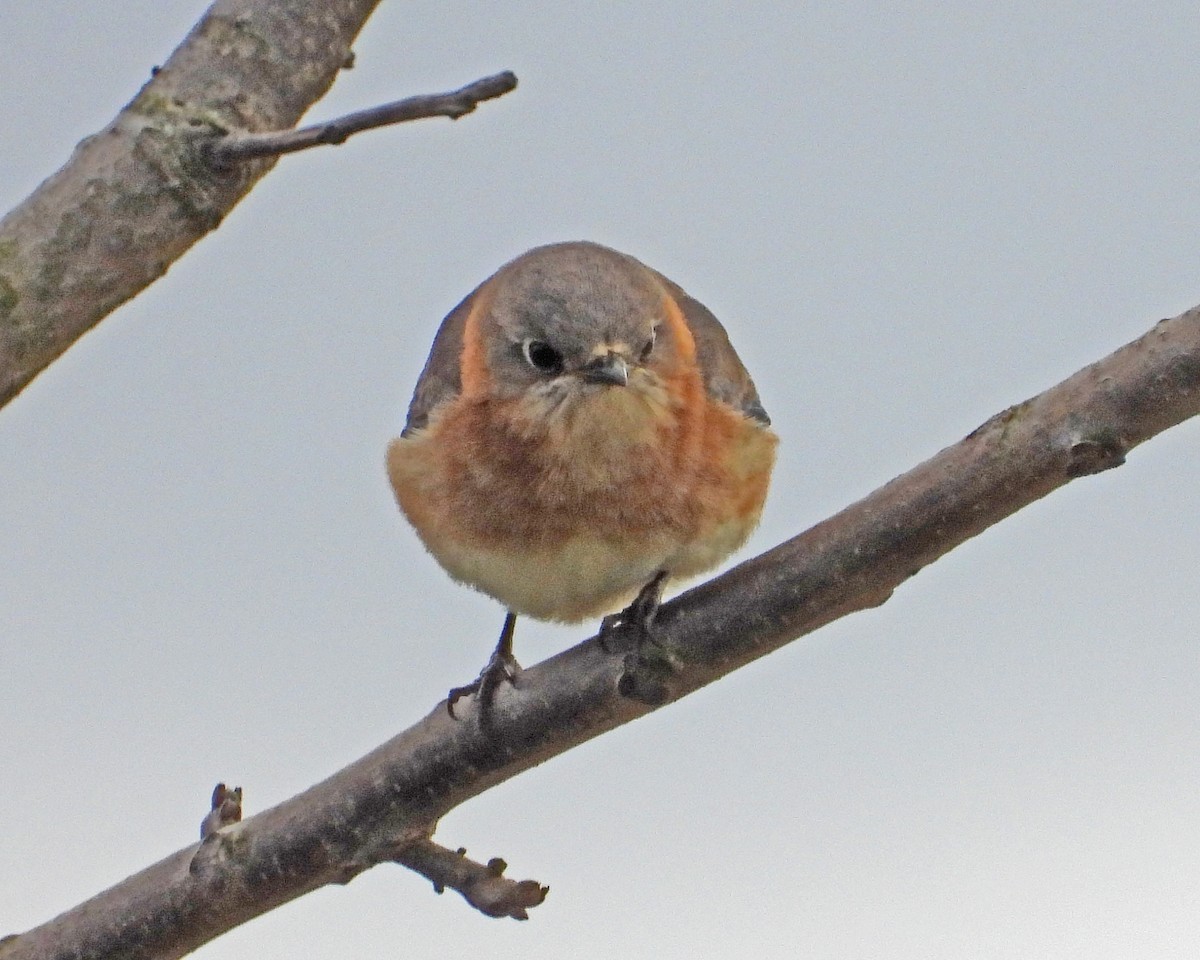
(611, 369)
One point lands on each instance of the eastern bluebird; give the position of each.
(582, 433)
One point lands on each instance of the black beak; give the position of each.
(610, 369)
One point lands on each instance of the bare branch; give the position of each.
(455, 104)
(134, 197)
(483, 885)
(390, 800)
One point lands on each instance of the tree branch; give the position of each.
(483, 885)
(455, 104)
(135, 197)
(389, 801)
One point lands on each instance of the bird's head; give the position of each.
(578, 330)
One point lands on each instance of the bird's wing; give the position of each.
(441, 380)
(725, 377)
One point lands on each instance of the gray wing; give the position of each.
(441, 380)
(724, 375)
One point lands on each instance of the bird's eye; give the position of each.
(542, 356)
(647, 349)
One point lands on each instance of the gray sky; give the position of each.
(908, 216)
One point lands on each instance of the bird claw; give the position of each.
(610, 629)
(501, 668)
(637, 619)
(648, 664)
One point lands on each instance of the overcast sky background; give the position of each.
(909, 216)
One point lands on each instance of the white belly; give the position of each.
(582, 578)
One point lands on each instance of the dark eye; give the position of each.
(542, 356)
(647, 349)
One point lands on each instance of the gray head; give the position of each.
(574, 317)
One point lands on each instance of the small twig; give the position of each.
(483, 885)
(457, 103)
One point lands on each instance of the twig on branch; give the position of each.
(226, 808)
(391, 798)
(133, 198)
(483, 885)
(457, 103)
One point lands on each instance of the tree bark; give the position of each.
(135, 196)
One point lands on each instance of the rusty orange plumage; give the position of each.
(582, 429)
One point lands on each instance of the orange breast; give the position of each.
(568, 519)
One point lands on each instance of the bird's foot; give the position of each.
(633, 627)
(648, 664)
(501, 668)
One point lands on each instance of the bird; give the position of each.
(583, 434)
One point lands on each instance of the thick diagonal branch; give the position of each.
(135, 197)
(394, 795)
